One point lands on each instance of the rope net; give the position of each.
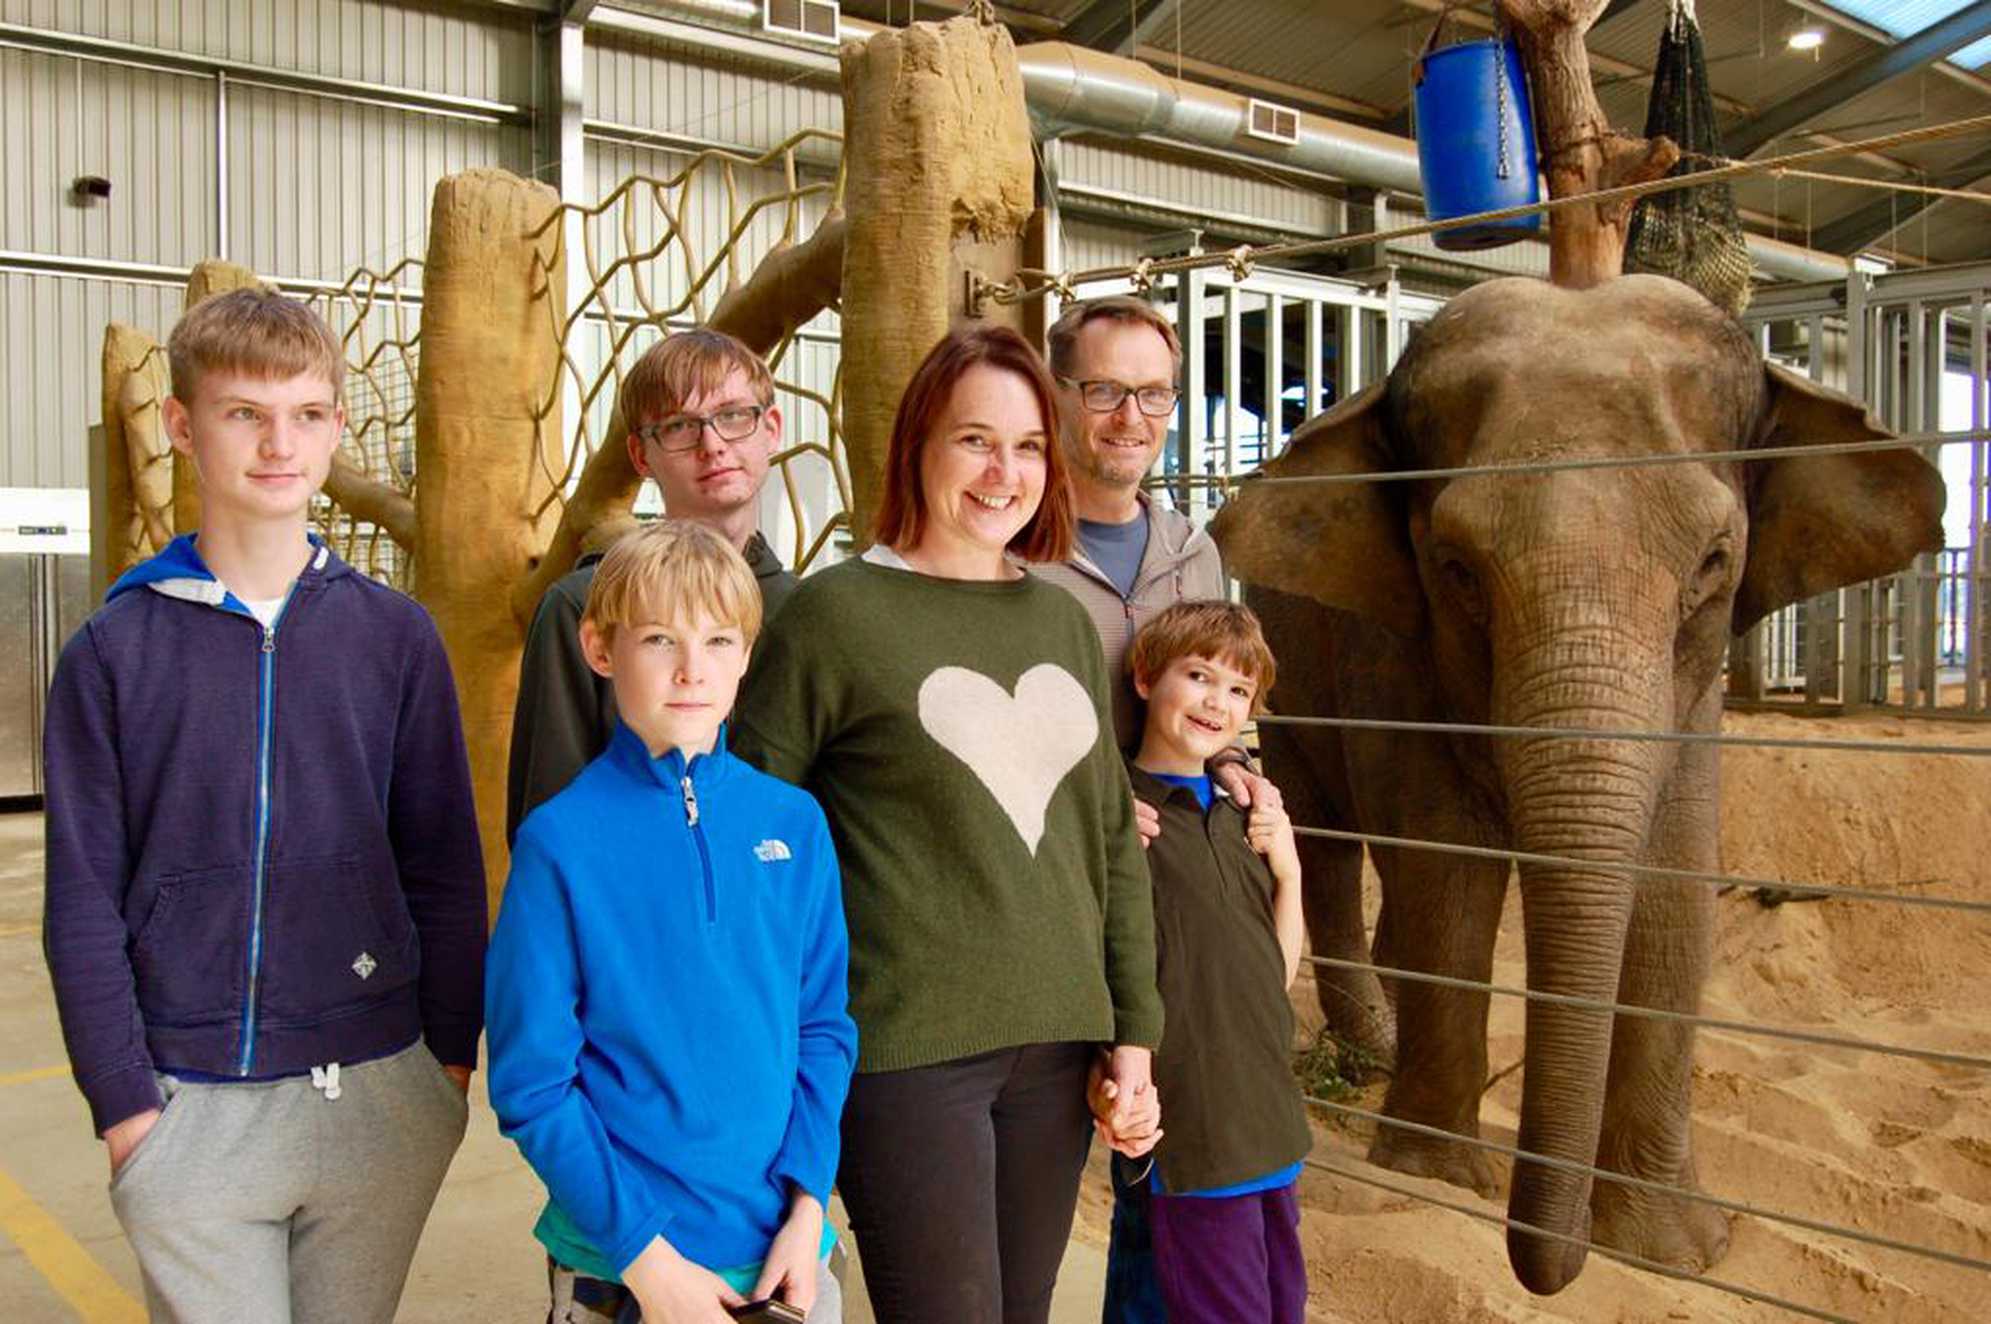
(379, 325)
(1693, 235)
(660, 253)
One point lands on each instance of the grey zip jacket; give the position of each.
(1179, 565)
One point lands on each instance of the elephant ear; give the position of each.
(1342, 544)
(1818, 522)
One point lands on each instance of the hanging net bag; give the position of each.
(1692, 234)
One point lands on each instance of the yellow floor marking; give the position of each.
(25, 1077)
(18, 930)
(78, 1279)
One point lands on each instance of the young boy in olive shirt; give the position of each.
(1228, 928)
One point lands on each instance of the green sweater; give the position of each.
(959, 737)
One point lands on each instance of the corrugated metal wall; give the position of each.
(461, 50)
(318, 186)
(633, 82)
(51, 348)
(1241, 192)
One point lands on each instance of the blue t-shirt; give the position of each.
(1200, 784)
(1116, 549)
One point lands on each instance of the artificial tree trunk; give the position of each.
(131, 515)
(939, 178)
(482, 456)
(1581, 153)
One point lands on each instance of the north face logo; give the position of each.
(771, 850)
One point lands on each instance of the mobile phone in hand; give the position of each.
(767, 1311)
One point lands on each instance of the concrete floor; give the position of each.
(62, 1255)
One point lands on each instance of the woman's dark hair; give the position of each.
(902, 513)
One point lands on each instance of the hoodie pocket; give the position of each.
(336, 937)
(188, 958)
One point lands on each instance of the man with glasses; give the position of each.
(1117, 361)
(703, 425)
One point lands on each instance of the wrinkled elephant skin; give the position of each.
(1595, 599)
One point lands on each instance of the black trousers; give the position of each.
(961, 1180)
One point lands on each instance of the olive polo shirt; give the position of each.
(1231, 1109)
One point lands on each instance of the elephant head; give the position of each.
(1590, 598)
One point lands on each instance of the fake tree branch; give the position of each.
(371, 501)
(792, 284)
(1580, 150)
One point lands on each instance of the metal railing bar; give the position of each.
(1622, 1257)
(1615, 733)
(1652, 871)
(1657, 1187)
(1906, 441)
(1661, 1014)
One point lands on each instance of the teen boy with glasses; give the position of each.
(703, 425)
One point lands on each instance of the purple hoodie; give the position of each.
(262, 849)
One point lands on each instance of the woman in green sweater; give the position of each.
(952, 714)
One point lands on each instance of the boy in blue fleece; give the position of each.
(265, 900)
(669, 1044)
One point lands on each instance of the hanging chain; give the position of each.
(1506, 167)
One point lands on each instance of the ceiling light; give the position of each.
(1805, 39)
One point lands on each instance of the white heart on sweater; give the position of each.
(1019, 747)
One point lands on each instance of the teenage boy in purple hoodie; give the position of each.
(265, 914)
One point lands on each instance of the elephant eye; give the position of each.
(1464, 586)
(1709, 579)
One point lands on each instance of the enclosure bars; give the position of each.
(1890, 339)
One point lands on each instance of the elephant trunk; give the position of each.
(1589, 801)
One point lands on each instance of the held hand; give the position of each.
(792, 1257)
(672, 1290)
(1132, 1121)
(1147, 822)
(1246, 788)
(1270, 833)
(461, 1075)
(124, 1137)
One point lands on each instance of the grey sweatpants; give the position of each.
(275, 1203)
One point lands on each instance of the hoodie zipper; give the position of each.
(266, 704)
(704, 855)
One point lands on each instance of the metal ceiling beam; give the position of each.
(577, 11)
(1877, 220)
(1935, 42)
(1108, 25)
(1611, 11)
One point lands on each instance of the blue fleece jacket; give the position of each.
(262, 849)
(665, 1000)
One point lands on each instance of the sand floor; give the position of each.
(1894, 1147)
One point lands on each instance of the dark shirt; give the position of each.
(1116, 549)
(1233, 1111)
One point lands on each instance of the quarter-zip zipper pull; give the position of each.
(690, 803)
(269, 639)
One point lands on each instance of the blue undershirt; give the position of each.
(1200, 784)
(1116, 549)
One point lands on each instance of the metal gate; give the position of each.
(1263, 351)
(1912, 345)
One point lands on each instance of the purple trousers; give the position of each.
(1230, 1259)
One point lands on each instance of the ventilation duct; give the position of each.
(1074, 89)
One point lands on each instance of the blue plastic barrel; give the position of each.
(1476, 141)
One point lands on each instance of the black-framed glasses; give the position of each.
(681, 432)
(1103, 397)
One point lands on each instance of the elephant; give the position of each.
(1586, 599)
